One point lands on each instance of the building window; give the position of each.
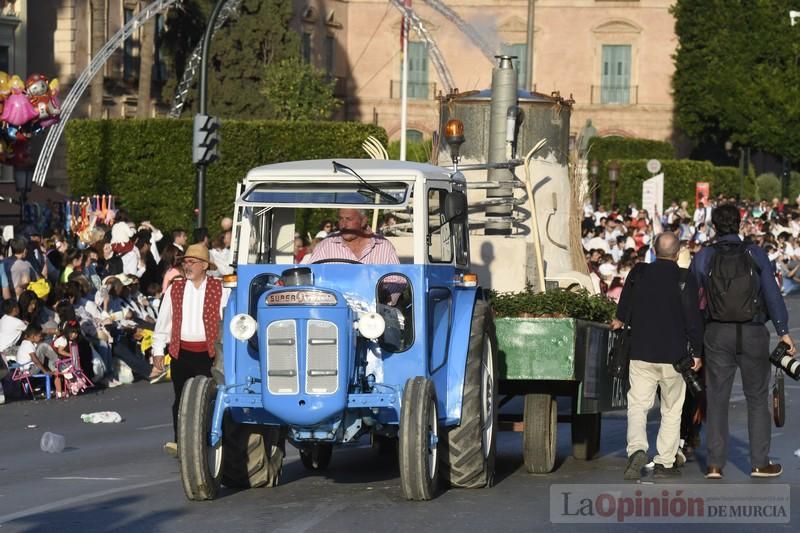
(305, 47)
(520, 51)
(130, 60)
(615, 76)
(418, 87)
(330, 42)
(413, 136)
(5, 53)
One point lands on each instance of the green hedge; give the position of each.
(680, 177)
(147, 163)
(608, 148)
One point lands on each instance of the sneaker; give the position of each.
(636, 462)
(171, 449)
(661, 472)
(114, 383)
(680, 458)
(771, 470)
(158, 377)
(713, 472)
(649, 466)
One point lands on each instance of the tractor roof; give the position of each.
(377, 169)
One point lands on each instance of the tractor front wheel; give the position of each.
(419, 440)
(201, 464)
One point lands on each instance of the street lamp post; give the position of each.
(594, 169)
(23, 178)
(613, 176)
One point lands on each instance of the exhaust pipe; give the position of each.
(504, 96)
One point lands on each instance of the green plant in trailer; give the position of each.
(558, 303)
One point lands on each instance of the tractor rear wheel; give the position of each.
(253, 454)
(316, 456)
(539, 433)
(469, 449)
(201, 464)
(419, 439)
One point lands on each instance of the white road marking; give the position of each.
(87, 478)
(157, 426)
(80, 499)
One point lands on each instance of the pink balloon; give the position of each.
(18, 110)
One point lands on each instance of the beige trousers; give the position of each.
(645, 378)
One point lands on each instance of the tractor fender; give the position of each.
(456, 367)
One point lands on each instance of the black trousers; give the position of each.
(186, 366)
(722, 359)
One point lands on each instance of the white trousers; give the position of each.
(645, 378)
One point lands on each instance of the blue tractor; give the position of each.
(324, 354)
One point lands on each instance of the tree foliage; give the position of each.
(296, 90)
(737, 74)
(240, 54)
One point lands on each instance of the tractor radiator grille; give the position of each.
(282, 357)
(322, 358)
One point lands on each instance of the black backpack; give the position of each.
(733, 294)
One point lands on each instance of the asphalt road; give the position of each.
(114, 477)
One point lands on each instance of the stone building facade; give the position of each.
(613, 56)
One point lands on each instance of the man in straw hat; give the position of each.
(189, 323)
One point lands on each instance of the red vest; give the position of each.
(211, 318)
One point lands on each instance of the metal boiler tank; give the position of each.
(497, 231)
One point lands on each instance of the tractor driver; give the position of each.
(355, 241)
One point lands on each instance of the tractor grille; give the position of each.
(322, 358)
(282, 357)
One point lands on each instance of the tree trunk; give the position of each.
(147, 52)
(98, 40)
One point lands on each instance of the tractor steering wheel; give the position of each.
(337, 260)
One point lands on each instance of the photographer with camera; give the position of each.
(664, 320)
(739, 296)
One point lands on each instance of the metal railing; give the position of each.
(416, 90)
(615, 94)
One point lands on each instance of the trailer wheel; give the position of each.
(539, 433)
(586, 435)
(419, 440)
(316, 456)
(201, 464)
(253, 454)
(469, 449)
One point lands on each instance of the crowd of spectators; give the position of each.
(96, 294)
(614, 241)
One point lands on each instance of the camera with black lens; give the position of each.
(684, 368)
(784, 361)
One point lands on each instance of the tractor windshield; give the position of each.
(303, 193)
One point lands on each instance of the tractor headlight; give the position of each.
(371, 325)
(243, 326)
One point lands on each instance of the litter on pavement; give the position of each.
(102, 417)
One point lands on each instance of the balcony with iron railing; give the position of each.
(416, 90)
(615, 94)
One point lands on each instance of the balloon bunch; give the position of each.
(26, 109)
(83, 215)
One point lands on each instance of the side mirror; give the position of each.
(455, 207)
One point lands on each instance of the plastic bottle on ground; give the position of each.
(52, 442)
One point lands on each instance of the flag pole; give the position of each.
(404, 91)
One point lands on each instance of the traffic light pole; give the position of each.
(203, 106)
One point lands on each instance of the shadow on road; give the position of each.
(108, 515)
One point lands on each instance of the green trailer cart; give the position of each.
(544, 358)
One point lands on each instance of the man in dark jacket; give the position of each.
(665, 319)
(730, 345)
